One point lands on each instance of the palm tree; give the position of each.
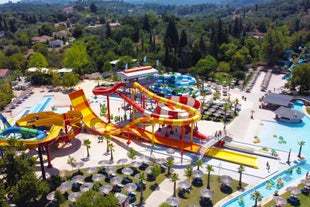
(240, 170)
(301, 143)
(225, 109)
(174, 178)
(100, 139)
(155, 171)
(108, 138)
(132, 153)
(257, 196)
(210, 169)
(189, 172)
(169, 163)
(71, 161)
(87, 144)
(199, 163)
(236, 104)
(111, 149)
(142, 178)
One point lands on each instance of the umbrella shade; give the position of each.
(170, 151)
(51, 196)
(143, 158)
(79, 164)
(148, 169)
(172, 201)
(110, 169)
(127, 171)
(160, 161)
(122, 161)
(73, 196)
(291, 188)
(226, 179)
(197, 173)
(130, 187)
(184, 184)
(106, 189)
(86, 187)
(64, 186)
(116, 180)
(279, 200)
(136, 164)
(207, 193)
(90, 170)
(306, 182)
(170, 158)
(103, 162)
(97, 177)
(78, 179)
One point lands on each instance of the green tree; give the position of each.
(3, 194)
(169, 164)
(199, 163)
(6, 94)
(132, 153)
(17, 61)
(93, 8)
(205, 66)
(41, 48)
(300, 78)
(155, 171)
(126, 47)
(55, 78)
(111, 149)
(28, 189)
(256, 196)
(189, 172)
(108, 138)
(59, 198)
(142, 179)
(174, 178)
(78, 31)
(209, 169)
(76, 57)
(37, 60)
(71, 161)
(301, 143)
(240, 171)
(87, 144)
(69, 80)
(93, 199)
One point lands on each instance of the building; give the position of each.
(4, 73)
(41, 39)
(288, 115)
(60, 34)
(276, 100)
(56, 43)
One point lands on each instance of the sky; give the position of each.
(6, 1)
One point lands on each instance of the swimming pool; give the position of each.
(43, 105)
(281, 136)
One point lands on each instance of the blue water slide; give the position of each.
(4, 121)
(37, 134)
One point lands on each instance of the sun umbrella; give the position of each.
(103, 162)
(122, 161)
(86, 187)
(184, 184)
(97, 177)
(127, 171)
(51, 196)
(90, 170)
(226, 179)
(143, 158)
(172, 201)
(160, 161)
(207, 193)
(170, 151)
(63, 173)
(279, 200)
(79, 164)
(106, 189)
(130, 187)
(73, 196)
(170, 158)
(148, 169)
(116, 180)
(136, 164)
(64, 186)
(78, 179)
(306, 182)
(110, 169)
(197, 173)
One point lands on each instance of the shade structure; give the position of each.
(306, 182)
(160, 161)
(207, 193)
(90, 170)
(64, 187)
(170, 158)
(148, 169)
(170, 151)
(143, 158)
(184, 184)
(78, 179)
(97, 177)
(173, 201)
(116, 180)
(106, 189)
(226, 179)
(130, 187)
(103, 162)
(110, 169)
(86, 187)
(197, 173)
(73, 196)
(127, 171)
(136, 164)
(50, 196)
(279, 200)
(122, 161)
(79, 164)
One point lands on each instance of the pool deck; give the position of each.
(242, 129)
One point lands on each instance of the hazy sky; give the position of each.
(6, 1)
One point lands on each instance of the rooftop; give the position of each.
(289, 113)
(278, 99)
(137, 72)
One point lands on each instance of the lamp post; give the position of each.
(289, 156)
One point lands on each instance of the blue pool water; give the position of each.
(43, 105)
(282, 136)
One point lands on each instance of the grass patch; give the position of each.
(308, 110)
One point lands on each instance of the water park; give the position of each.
(160, 112)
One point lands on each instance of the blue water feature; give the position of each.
(42, 105)
(280, 136)
(266, 190)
